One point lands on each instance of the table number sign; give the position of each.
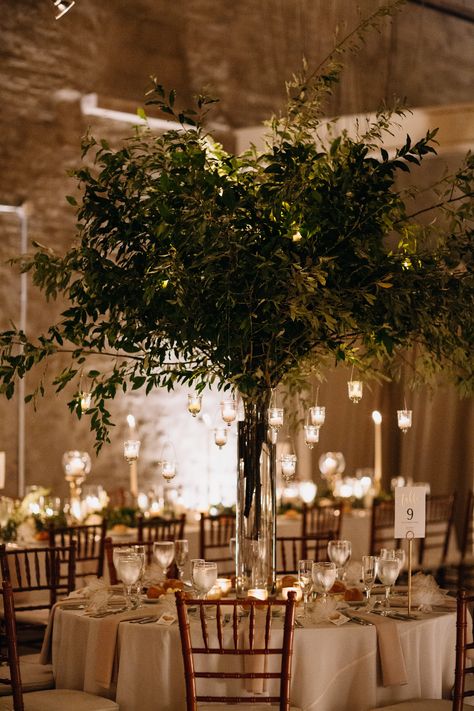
(410, 511)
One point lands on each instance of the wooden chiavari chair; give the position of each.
(321, 519)
(35, 577)
(215, 533)
(89, 540)
(110, 546)
(382, 526)
(291, 549)
(461, 670)
(160, 529)
(248, 637)
(52, 700)
(433, 548)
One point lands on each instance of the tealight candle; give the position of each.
(225, 585)
(354, 388)
(228, 411)
(317, 415)
(86, 399)
(311, 435)
(404, 420)
(258, 593)
(168, 469)
(131, 449)
(297, 590)
(288, 466)
(220, 436)
(194, 404)
(275, 417)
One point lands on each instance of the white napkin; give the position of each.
(96, 592)
(322, 611)
(426, 592)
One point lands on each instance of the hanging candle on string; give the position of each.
(86, 400)
(168, 461)
(288, 466)
(229, 411)
(317, 415)
(404, 418)
(220, 436)
(311, 435)
(194, 404)
(354, 389)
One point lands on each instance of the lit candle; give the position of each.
(131, 425)
(275, 417)
(257, 593)
(354, 389)
(220, 436)
(308, 491)
(228, 411)
(194, 404)
(317, 415)
(288, 466)
(86, 399)
(225, 585)
(311, 435)
(131, 449)
(297, 590)
(377, 418)
(168, 469)
(404, 420)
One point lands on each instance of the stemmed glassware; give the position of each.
(305, 580)
(324, 576)
(163, 552)
(181, 555)
(204, 577)
(129, 569)
(339, 552)
(387, 570)
(369, 573)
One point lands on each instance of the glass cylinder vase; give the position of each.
(255, 549)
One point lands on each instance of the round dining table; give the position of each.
(335, 668)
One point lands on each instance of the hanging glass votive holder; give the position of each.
(86, 400)
(228, 411)
(168, 469)
(131, 449)
(354, 389)
(275, 421)
(311, 435)
(194, 404)
(288, 466)
(317, 415)
(404, 418)
(220, 436)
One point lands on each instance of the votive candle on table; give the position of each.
(225, 585)
(295, 589)
(257, 593)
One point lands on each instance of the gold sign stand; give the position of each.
(409, 536)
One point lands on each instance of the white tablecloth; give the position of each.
(334, 668)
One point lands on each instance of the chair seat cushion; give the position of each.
(421, 705)
(34, 676)
(32, 617)
(60, 700)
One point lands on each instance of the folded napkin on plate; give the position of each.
(426, 592)
(392, 661)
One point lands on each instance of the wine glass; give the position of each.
(387, 570)
(181, 555)
(324, 576)
(129, 568)
(204, 577)
(163, 552)
(394, 554)
(305, 579)
(339, 553)
(369, 573)
(140, 550)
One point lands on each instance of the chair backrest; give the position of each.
(215, 533)
(467, 541)
(110, 546)
(38, 569)
(382, 526)
(462, 647)
(12, 646)
(439, 524)
(235, 636)
(160, 529)
(318, 518)
(291, 549)
(89, 540)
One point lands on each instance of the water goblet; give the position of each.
(305, 579)
(387, 571)
(324, 576)
(339, 552)
(140, 550)
(369, 573)
(204, 577)
(181, 554)
(129, 568)
(163, 552)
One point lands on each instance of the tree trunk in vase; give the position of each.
(256, 500)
